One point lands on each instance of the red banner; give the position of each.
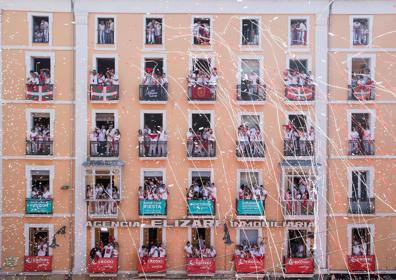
(361, 263)
(299, 265)
(200, 92)
(300, 93)
(37, 264)
(152, 265)
(103, 265)
(249, 265)
(201, 266)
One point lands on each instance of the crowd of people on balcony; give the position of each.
(200, 77)
(153, 32)
(201, 33)
(362, 82)
(293, 77)
(105, 141)
(360, 32)
(361, 140)
(104, 199)
(40, 192)
(110, 250)
(199, 250)
(251, 85)
(201, 143)
(154, 77)
(202, 190)
(298, 31)
(153, 189)
(298, 141)
(152, 143)
(106, 31)
(40, 138)
(297, 249)
(247, 250)
(151, 251)
(250, 141)
(300, 197)
(108, 78)
(41, 31)
(252, 192)
(360, 246)
(44, 78)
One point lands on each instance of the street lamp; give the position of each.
(60, 231)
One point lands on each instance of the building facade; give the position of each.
(258, 131)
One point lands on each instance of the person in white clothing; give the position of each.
(161, 251)
(101, 32)
(188, 249)
(211, 252)
(356, 250)
(94, 77)
(46, 193)
(153, 251)
(162, 138)
(42, 248)
(108, 251)
(142, 252)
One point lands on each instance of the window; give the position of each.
(152, 135)
(361, 72)
(250, 186)
(40, 132)
(153, 31)
(361, 31)
(361, 242)
(250, 32)
(249, 237)
(201, 140)
(298, 32)
(250, 71)
(360, 185)
(152, 237)
(300, 243)
(41, 29)
(153, 122)
(38, 241)
(201, 31)
(200, 238)
(153, 186)
(154, 72)
(105, 30)
(40, 184)
(250, 137)
(202, 66)
(104, 67)
(105, 120)
(201, 186)
(361, 140)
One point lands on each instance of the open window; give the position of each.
(105, 30)
(153, 193)
(201, 140)
(299, 136)
(250, 137)
(152, 135)
(40, 189)
(361, 200)
(38, 241)
(40, 72)
(201, 31)
(362, 82)
(155, 83)
(361, 140)
(153, 30)
(201, 193)
(202, 80)
(105, 137)
(298, 32)
(251, 87)
(41, 29)
(300, 243)
(104, 252)
(37, 249)
(152, 237)
(299, 84)
(361, 31)
(200, 240)
(251, 194)
(250, 32)
(361, 242)
(104, 83)
(39, 141)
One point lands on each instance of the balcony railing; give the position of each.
(252, 207)
(40, 92)
(357, 206)
(200, 207)
(103, 266)
(37, 264)
(361, 147)
(250, 149)
(39, 148)
(201, 148)
(153, 149)
(202, 93)
(153, 93)
(104, 93)
(361, 263)
(39, 205)
(361, 92)
(106, 208)
(299, 207)
(104, 148)
(152, 207)
(298, 148)
(251, 92)
(300, 93)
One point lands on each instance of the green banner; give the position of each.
(152, 207)
(250, 207)
(38, 206)
(200, 207)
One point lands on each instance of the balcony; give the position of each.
(298, 148)
(252, 93)
(103, 266)
(250, 149)
(299, 265)
(153, 93)
(361, 92)
(37, 264)
(200, 266)
(252, 265)
(153, 149)
(299, 207)
(39, 205)
(39, 148)
(151, 265)
(200, 207)
(300, 93)
(104, 148)
(250, 207)
(101, 93)
(201, 148)
(357, 206)
(361, 147)
(199, 93)
(361, 263)
(152, 207)
(103, 208)
(39, 93)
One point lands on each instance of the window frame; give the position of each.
(28, 176)
(307, 45)
(30, 24)
(370, 24)
(26, 230)
(98, 46)
(250, 47)
(371, 228)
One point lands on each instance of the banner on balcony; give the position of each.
(103, 265)
(201, 266)
(104, 93)
(152, 265)
(249, 265)
(300, 93)
(38, 206)
(152, 207)
(200, 207)
(361, 263)
(200, 92)
(299, 265)
(39, 92)
(38, 264)
(250, 207)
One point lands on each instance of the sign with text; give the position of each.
(249, 265)
(250, 207)
(38, 206)
(37, 264)
(201, 266)
(361, 263)
(152, 207)
(152, 265)
(200, 207)
(103, 265)
(299, 265)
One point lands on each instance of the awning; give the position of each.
(92, 163)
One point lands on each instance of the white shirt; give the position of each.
(94, 79)
(142, 252)
(356, 250)
(47, 194)
(42, 250)
(188, 249)
(108, 251)
(162, 252)
(153, 251)
(212, 253)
